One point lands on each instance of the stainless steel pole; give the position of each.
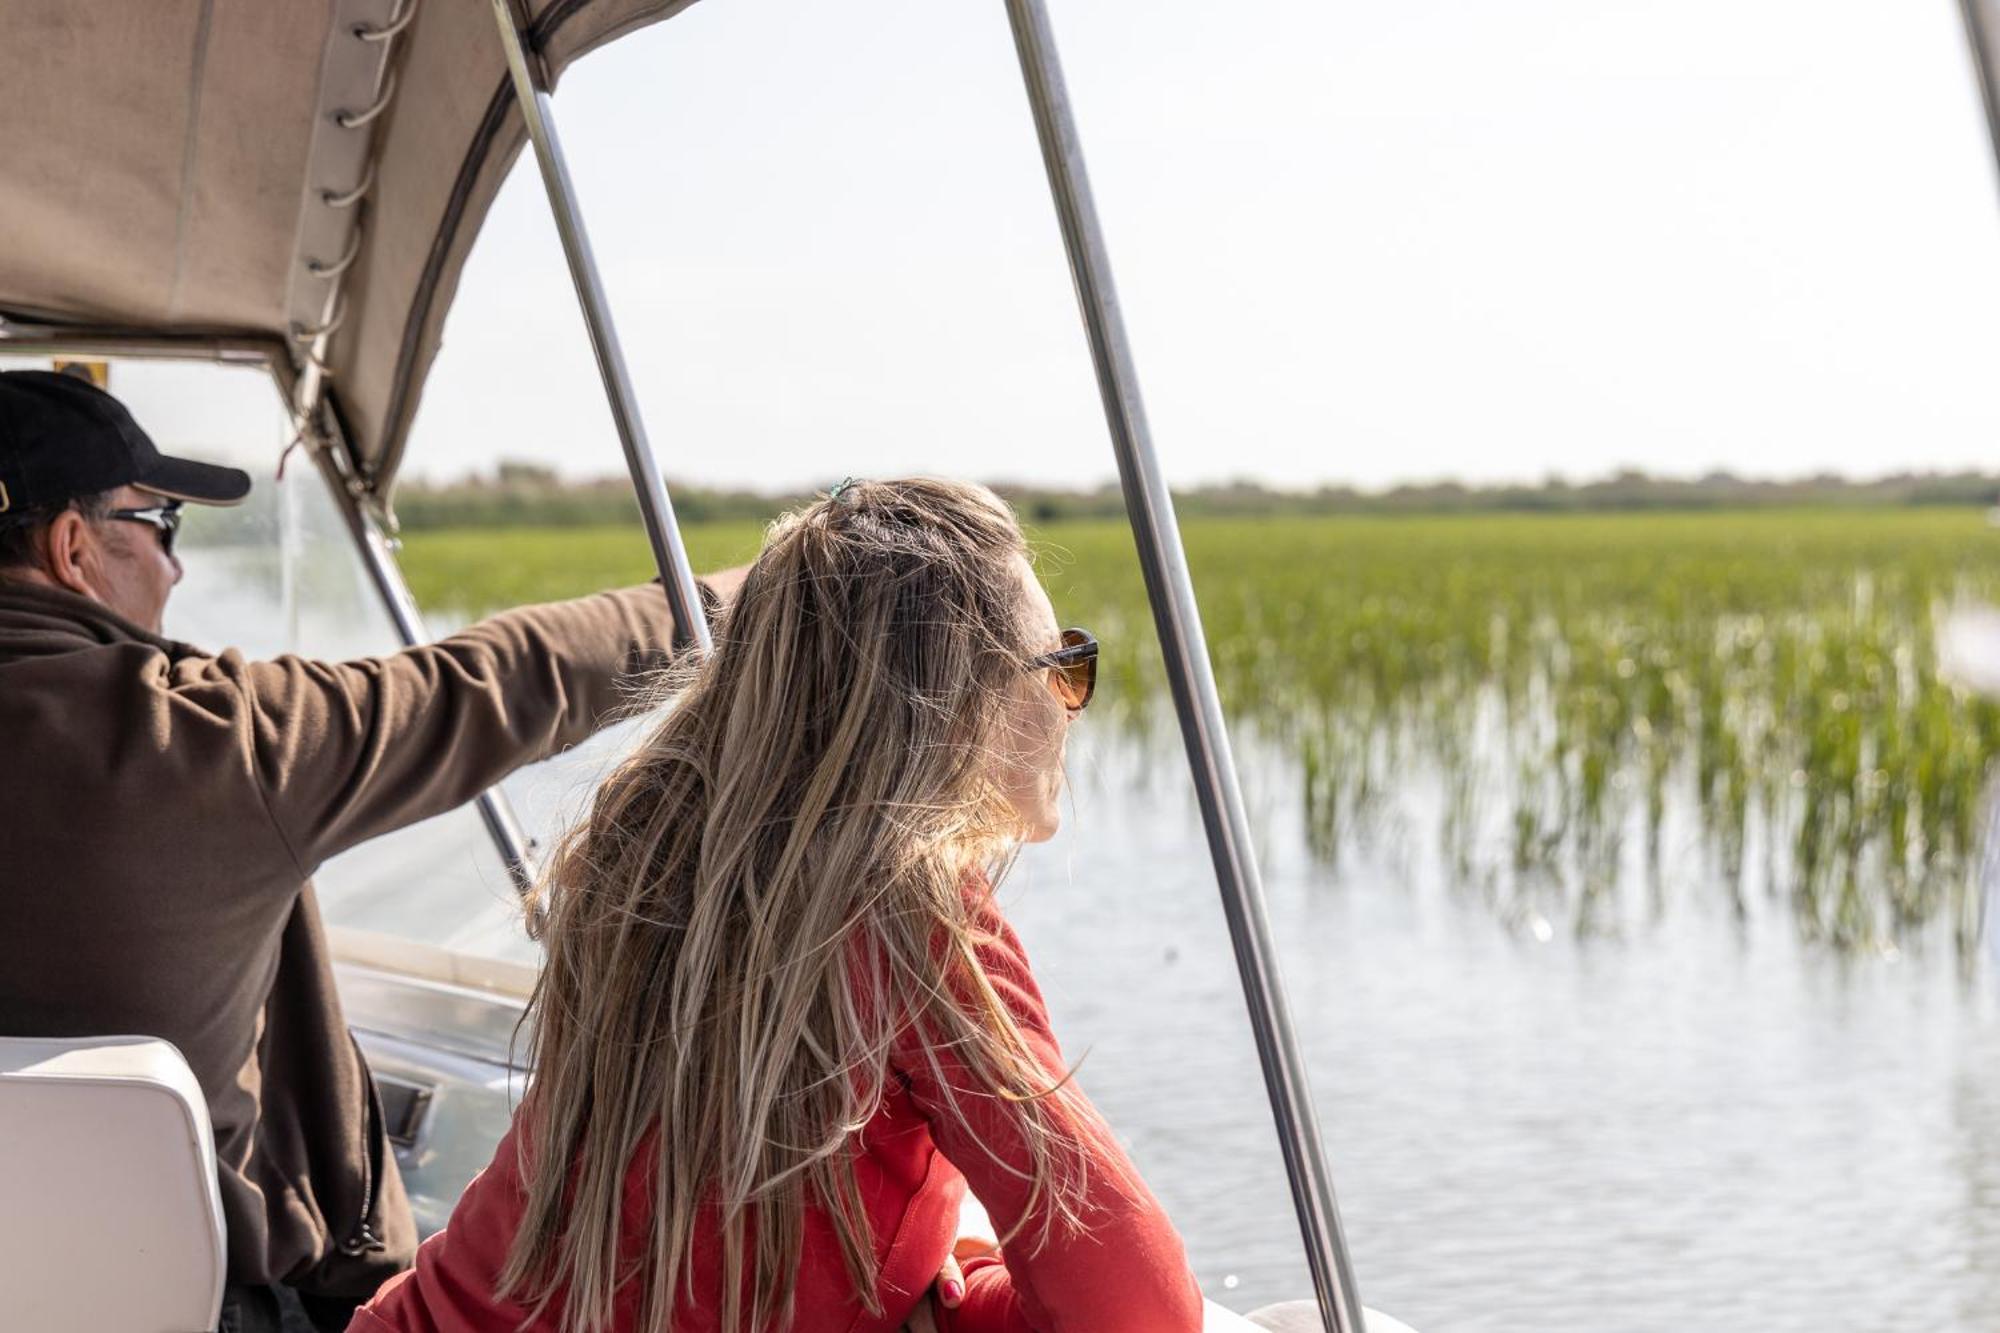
(532, 95)
(1977, 37)
(1178, 618)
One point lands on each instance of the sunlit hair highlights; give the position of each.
(763, 896)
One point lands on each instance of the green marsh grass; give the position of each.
(1569, 680)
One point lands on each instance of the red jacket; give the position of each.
(1126, 1273)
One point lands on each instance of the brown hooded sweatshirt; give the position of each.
(161, 811)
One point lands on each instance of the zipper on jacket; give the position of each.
(363, 1238)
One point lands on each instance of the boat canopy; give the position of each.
(211, 168)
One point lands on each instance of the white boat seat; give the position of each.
(112, 1222)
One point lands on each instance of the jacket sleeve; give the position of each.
(1124, 1269)
(345, 751)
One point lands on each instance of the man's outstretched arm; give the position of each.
(346, 751)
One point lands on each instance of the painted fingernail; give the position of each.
(954, 1292)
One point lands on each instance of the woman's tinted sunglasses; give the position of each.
(166, 517)
(1072, 668)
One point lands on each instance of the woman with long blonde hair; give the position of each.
(781, 1023)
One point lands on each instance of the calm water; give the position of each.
(1677, 1119)
(1683, 1124)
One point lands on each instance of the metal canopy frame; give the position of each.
(1984, 74)
(1190, 676)
(531, 93)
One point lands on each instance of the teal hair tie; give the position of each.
(840, 492)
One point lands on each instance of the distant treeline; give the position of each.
(527, 493)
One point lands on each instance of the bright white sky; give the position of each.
(1357, 241)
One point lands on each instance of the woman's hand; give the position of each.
(949, 1289)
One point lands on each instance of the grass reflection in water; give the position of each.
(1571, 679)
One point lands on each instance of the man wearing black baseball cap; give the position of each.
(75, 473)
(162, 809)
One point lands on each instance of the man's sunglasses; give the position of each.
(166, 517)
(1072, 668)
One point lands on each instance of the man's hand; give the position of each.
(724, 582)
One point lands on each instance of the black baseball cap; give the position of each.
(62, 437)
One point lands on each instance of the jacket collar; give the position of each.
(36, 620)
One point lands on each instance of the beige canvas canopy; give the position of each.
(212, 167)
